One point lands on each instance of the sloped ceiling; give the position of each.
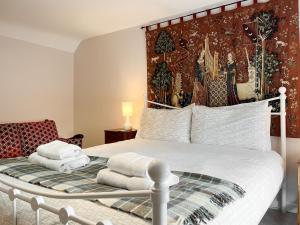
(63, 24)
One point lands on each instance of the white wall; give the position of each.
(36, 83)
(109, 69)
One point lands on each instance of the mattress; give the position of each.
(259, 173)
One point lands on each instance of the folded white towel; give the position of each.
(140, 183)
(130, 164)
(58, 150)
(64, 165)
(108, 177)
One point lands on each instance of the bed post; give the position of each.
(12, 194)
(159, 173)
(282, 91)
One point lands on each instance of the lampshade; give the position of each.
(127, 108)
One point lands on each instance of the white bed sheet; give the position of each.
(259, 173)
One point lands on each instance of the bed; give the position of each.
(260, 174)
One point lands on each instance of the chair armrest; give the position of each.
(76, 140)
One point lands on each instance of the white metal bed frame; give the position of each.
(158, 171)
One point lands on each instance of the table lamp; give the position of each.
(127, 112)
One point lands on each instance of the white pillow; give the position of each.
(244, 125)
(166, 125)
(264, 104)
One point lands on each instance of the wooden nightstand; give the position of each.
(115, 135)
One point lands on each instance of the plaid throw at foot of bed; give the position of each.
(195, 200)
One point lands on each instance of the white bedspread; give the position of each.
(258, 173)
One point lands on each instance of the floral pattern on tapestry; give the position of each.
(232, 57)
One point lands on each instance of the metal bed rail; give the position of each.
(158, 172)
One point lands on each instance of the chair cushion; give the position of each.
(33, 134)
(10, 143)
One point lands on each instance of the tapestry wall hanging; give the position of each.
(232, 57)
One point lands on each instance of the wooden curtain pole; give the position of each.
(169, 21)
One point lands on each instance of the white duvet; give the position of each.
(259, 173)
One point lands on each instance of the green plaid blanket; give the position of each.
(195, 200)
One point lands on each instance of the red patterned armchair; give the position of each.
(22, 139)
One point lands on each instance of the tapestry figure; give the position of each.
(230, 72)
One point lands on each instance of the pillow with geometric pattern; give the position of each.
(34, 134)
(10, 143)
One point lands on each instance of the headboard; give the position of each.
(282, 114)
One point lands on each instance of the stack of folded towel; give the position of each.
(129, 171)
(59, 156)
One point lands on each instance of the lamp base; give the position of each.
(127, 125)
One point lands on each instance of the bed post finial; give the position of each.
(65, 214)
(105, 222)
(282, 91)
(159, 172)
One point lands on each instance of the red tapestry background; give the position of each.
(233, 57)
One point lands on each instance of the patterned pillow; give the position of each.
(166, 125)
(34, 134)
(10, 143)
(245, 126)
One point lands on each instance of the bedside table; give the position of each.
(115, 135)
